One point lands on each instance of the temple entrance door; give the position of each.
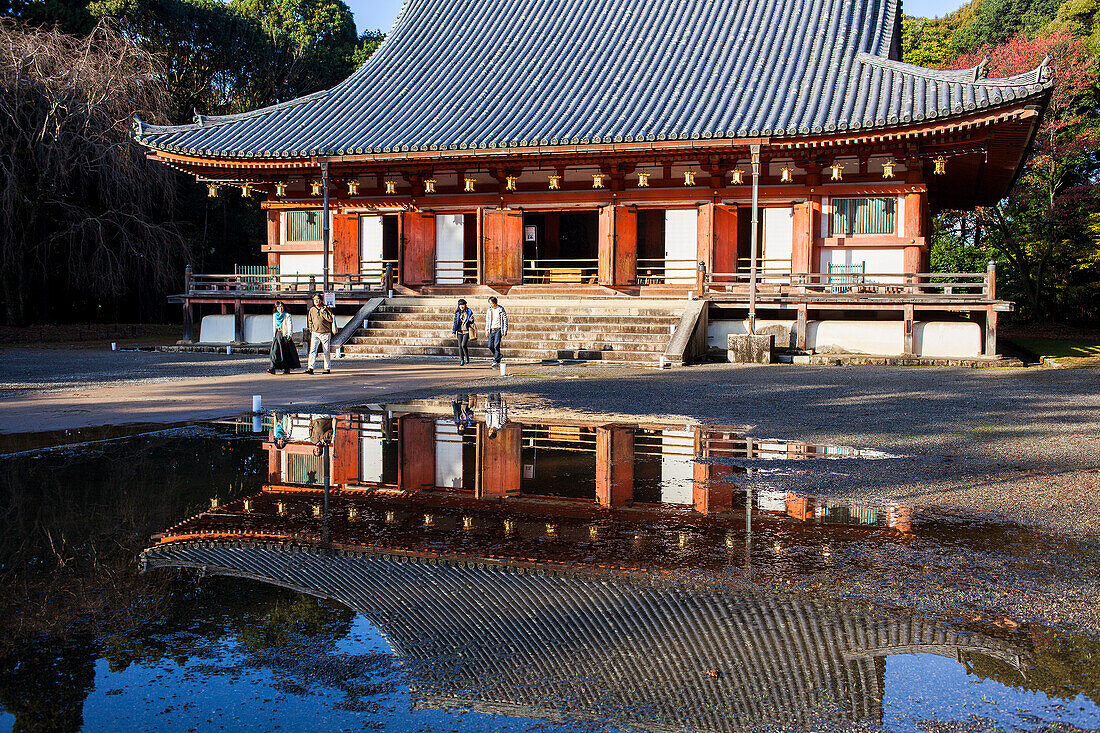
(449, 249)
(718, 239)
(778, 239)
(345, 244)
(503, 248)
(418, 249)
(370, 246)
(681, 246)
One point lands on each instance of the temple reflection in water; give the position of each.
(525, 564)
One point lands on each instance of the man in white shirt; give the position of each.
(496, 326)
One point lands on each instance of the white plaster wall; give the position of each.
(717, 331)
(307, 264)
(218, 329)
(885, 338)
(947, 338)
(880, 260)
(448, 455)
(677, 467)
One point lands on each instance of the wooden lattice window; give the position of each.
(303, 226)
(863, 216)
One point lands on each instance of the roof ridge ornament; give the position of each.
(981, 71)
(1045, 72)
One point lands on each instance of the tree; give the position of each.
(310, 45)
(83, 214)
(996, 21)
(1046, 228)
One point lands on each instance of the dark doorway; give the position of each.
(564, 248)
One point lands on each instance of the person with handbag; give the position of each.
(464, 330)
(284, 354)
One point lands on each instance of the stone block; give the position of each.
(743, 348)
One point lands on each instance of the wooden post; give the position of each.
(989, 346)
(188, 323)
(238, 321)
(188, 273)
(909, 345)
(991, 281)
(803, 324)
(387, 279)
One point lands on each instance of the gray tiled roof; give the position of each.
(476, 74)
(546, 644)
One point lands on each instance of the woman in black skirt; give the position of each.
(284, 354)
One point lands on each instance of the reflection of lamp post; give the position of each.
(754, 244)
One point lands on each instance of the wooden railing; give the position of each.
(661, 271)
(215, 284)
(561, 271)
(455, 272)
(956, 285)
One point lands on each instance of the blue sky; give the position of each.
(379, 14)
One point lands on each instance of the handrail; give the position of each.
(951, 284)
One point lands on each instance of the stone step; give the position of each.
(564, 310)
(516, 321)
(532, 344)
(636, 357)
(568, 331)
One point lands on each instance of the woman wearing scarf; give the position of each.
(284, 354)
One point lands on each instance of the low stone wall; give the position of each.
(218, 329)
(946, 339)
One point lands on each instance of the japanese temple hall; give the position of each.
(766, 166)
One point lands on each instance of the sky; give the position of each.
(380, 14)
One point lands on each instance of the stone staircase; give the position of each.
(566, 329)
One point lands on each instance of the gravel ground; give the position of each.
(1022, 445)
(69, 368)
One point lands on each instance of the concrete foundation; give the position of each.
(743, 348)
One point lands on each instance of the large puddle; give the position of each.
(481, 565)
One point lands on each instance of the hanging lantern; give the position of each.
(888, 169)
(509, 526)
(510, 183)
(429, 520)
(390, 516)
(429, 185)
(353, 188)
(597, 180)
(248, 505)
(316, 510)
(593, 531)
(469, 187)
(353, 513)
(280, 508)
(786, 174)
(467, 523)
(838, 172)
(940, 165)
(280, 189)
(551, 528)
(737, 177)
(643, 180)
(689, 178)
(214, 502)
(555, 182)
(246, 190)
(212, 190)
(314, 188)
(391, 186)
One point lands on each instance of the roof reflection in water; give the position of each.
(519, 567)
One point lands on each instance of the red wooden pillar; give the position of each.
(274, 219)
(274, 465)
(345, 244)
(502, 244)
(915, 255)
(346, 453)
(614, 466)
(803, 244)
(709, 492)
(417, 248)
(717, 238)
(800, 507)
(416, 467)
(499, 462)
